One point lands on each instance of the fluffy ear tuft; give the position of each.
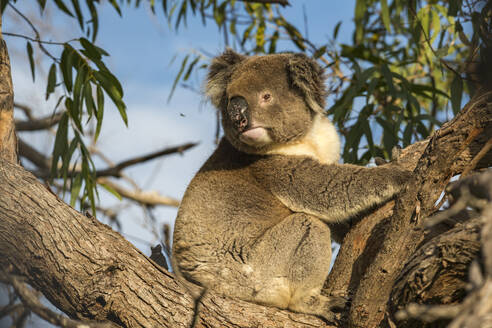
(219, 74)
(307, 76)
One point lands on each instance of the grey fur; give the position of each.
(253, 223)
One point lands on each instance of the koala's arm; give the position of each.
(332, 192)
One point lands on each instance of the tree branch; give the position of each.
(38, 124)
(375, 258)
(102, 276)
(32, 303)
(115, 171)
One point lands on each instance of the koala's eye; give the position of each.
(267, 97)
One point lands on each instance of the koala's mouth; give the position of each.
(255, 136)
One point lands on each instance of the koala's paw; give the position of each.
(325, 307)
(332, 307)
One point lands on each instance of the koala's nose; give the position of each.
(238, 112)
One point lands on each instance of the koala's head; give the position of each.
(265, 100)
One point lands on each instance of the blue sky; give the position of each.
(141, 47)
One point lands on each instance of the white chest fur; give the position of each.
(321, 143)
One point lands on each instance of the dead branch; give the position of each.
(115, 171)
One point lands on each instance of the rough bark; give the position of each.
(437, 273)
(90, 271)
(378, 256)
(8, 141)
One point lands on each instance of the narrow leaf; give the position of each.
(50, 88)
(100, 111)
(31, 59)
(75, 189)
(456, 93)
(111, 190)
(61, 143)
(385, 15)
(78, 13)
(176, 80)
(63, 7)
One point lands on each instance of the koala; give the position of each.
(254, 222)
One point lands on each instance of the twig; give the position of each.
(477, 158)
(16, 35)
(34, 156)
(38, 124)
(26, 109)
(428, 313)
(32, 303)
(115, 171)
(143, 197)
(9, 308)
(38, 37)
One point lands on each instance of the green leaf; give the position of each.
(454, 6)
(50, 88)
(100, 111)
(89, 100)
(3, 4)
(75, 189)
(66, 64)
(94, 18)
(92, 52)
(42, 4)
(360, 11)
(78, 96)
(273, 42)
(31, 59)
(181, 14)
(407, 134)
(61, 143)
(336, 29)
(190, 68)
(113, 88)
(442, 52)
(456, 93)
(385, 71)
(63, 7)
(115, 6)
(385, 15)
(247, 32)
(220, 14)
(78, 13)
(260, 36)
(319, 52)
(176, 80)
(111, 190)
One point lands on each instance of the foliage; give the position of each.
(399, 78)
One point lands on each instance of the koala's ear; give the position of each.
(219, 74)
(307, 76)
